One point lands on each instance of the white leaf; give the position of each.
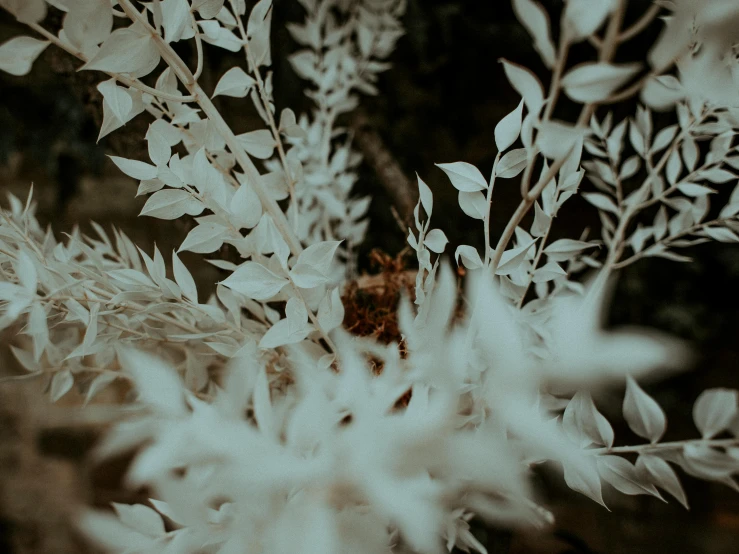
(235, 82)
(584, 479)
(526, 84)
(156, 381)
(313, 267)
(61, 384)
(259, 144)
(474, 204)
(562, 249)
(425, 196)
(511, 259)
(140, 518)
(126, 51)
(583, 17)
(694, 190)
(436, 241)
(469, 256)
(512, 163)
(642, 413)
(118, 99)
(184, 279)
(171, 204)
(542, 222)
(245, 207)
(208, 9)
(601, 201)
(619, 473)
(464, 177)
(508, 128)
(714, 410)
(98, 384)
(135, 169)
(555, 139)
(205, 238)
(596, 81)
(18, 54)
(662, 475)
(535, 19)
(330, 311)
(584, 424)
(26, 11)
(255, 281)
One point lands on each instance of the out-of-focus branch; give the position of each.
(391, 176)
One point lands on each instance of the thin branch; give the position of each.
(641, 24)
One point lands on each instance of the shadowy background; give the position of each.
(439, 103)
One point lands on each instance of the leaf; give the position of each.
(595, 81)
(526, 84)
(208, 9)
(330, 311)
(464, 177)
(156, 381)
(694, 190)
(18, 54)
(259, 144)
(235, 82)
(255, 281)
(245, 207)
(184, 279)
(601, 201)
(584, 424)
(512, 163)
(425, 196)
(134, 168)
(126, 51)
(258, 29)
(642, 413)
(623, 476)
(205, 238)
(140, 518)
(582, 18)
(469, 256)
(314, 264)
(562, 249)
(556, 140)
(61, 384)
(584, 479)
(171, 204)
(511, 259)
(541, 223)
(26, 11)
(436, 241)
(713, 411)
(535, 19)
(99, 383)
(662, 475)
(474, 204)
(508, 128)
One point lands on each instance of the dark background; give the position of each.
(439, 103)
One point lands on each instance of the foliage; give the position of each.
(262, 425)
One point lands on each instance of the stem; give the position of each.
(537, 258)
(268, 203)
(523, 209)
(719, 443)
(270, 117)
(486, 223)
(198, 47)
(641, 24)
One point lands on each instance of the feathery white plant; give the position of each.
(264, 430)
